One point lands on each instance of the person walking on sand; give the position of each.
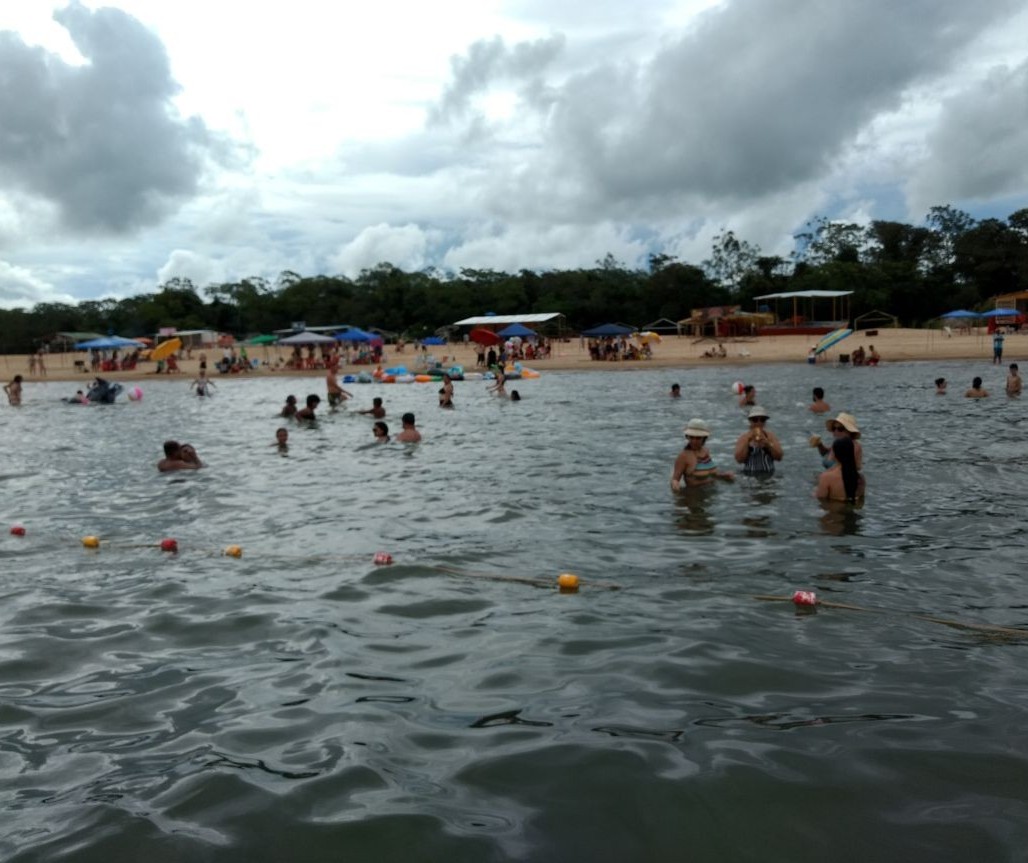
(410, 434)
(758, 449)
(997, 347)
(1013, 381)
(13, 390)
(819, 405)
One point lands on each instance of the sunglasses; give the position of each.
(758, 419)
(837, 427)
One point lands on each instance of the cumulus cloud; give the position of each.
(405, 247)
(978, 149)
(101, 140)
(19, 287)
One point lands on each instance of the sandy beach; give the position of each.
(672, 352)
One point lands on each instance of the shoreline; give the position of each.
(894, 345)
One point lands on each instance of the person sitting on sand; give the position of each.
(289, 408)
(843, 426)
(748, 397)
(819, 405)
(13, 390)
(1013, 381)
(940, 386)
(176, 459)
(676, 391)
(694, 466)
(410, 434)
(381, 432)
(376, 410)
(307, 413)
(758, 448)
(977, 391)
(842, 481)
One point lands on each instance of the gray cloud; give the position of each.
(978, 149)
(101, 141)
(752, 100)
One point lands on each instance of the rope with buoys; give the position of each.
(808, 599)
(567, 582)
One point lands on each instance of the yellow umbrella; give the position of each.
(649, 336)
(166, 349)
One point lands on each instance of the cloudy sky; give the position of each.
(146, 140)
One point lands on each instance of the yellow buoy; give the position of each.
(567, 582)
(91, 541)
(234, 551)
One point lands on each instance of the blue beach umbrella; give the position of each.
(107, 343)
(961, 313)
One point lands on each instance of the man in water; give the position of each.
(410, 434)
(307, 413)
(202, 385)
(819, 405)
(676, 391)
(376, 410)
(336, 394)
(940, 386)
(13, 390)
(176, 459)
(1013, 381)
(977, 391)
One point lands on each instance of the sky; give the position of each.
(147, 140)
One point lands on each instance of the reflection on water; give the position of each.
(302, 703)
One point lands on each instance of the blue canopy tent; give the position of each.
(355, 334)
(433, 340)
(961, 313)
(608, 330)
(517, 330)
(107, 343)
(1001, 313)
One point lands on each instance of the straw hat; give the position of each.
(697, 428)
(847, 421)
(758, 411)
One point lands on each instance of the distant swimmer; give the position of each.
(376, 410)
(748, 397)
(819, 405)
(842, 481)
(515, 396)
(281, 439)
(977, 391)
(176, 459)
(1013, 381)
(336, 394)
(446, 392)
(694, 466)
(498, 386)
(758, 449)
(676, 391)
(289, 408)
(13, 390)
(381, 432)
(410, 434)
(940, 386)
(308, 413)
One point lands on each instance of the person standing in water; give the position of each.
(977, 391)
(676, 391)
(13, 390)
(842, 481)
(844, 425)
(758, 449)
(202, 386)
(940, 386)
(819, 405)
(694, 466)
(1013, 381)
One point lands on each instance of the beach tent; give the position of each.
(262, 340)
(1002, 313)
(307, 338)
(960, 313)
(355, 334)
(517, 330)
(107, 343)
(484, 337)
(607, 330)
(433, 340)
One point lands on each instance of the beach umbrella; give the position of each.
(307, 338)
(166, 349)
(433, 340)
(647, 336)
(107, 343)
(608, 330)
(484, 337)
(519, 330)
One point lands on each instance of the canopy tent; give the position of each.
(517, 329)
(262, 340)
(356, 334)
(808, 308)
(107, 343)
(484, 337)
(498, 320)
(307, 338)
(1002, 313)
(433, 340)
(960, 313)
(608, 330)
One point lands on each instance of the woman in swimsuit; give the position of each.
(843, 481)
(758, 449)
(843, 426)
(694, 466)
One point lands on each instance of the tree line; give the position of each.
(914, 272)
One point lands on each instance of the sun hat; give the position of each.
(847, 421)
(697, 428)
(758, 411)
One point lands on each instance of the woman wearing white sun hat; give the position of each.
(694, 466)
(758, 448)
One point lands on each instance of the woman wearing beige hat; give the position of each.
(694, 466)
(758, 449)
(843, 426)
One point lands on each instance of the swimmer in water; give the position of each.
(694, 466)
(819, 405)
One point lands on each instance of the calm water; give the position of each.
(302, 704)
